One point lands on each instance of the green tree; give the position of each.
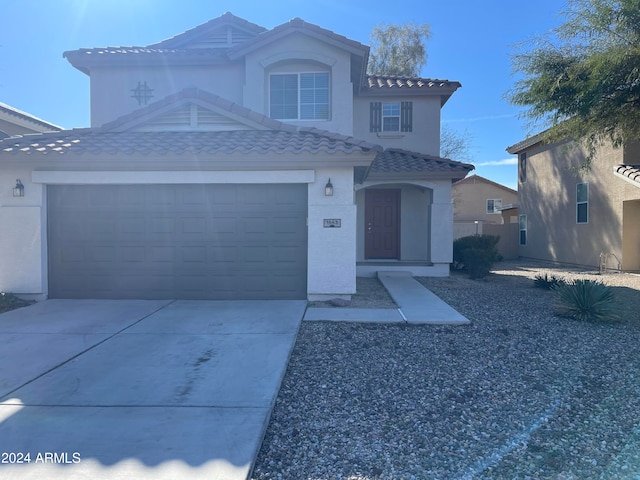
(398, 49)
(582, 81)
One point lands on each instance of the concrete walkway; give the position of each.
(417, 305)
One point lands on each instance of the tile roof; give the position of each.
(226, 19)
(142, 51)
(386, 85)
(96, 141)
(401, 163)
(9, 110)
(630, 173)
(296, 25)
(479, 179)
(526, 143)
(388, 81)
(177, 48)
(204, 98)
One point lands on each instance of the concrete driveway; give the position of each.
(140, 389)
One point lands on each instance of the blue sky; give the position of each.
(472, 42)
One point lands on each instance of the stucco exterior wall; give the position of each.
(470, 201)
(332, 251)
(23, 264)
(112, 95)
(631, 235)
(425, 135)
(548, 198)
(508, 243)
(442, 224)
(300, 53)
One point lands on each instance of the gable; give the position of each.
(223, 32)
(479, 180)
(191, 116)
(224, 37)
(16, 122)
(193, 109)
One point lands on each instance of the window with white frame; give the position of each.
(582, 203)
(391, 117)
(299, 96)
(522, 221)
(494, 205)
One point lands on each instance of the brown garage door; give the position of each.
(177, 241)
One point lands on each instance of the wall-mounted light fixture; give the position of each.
(18, 190)
(328, 189)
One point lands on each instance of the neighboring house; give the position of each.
(589, 218)
(478, 201)
(231, 161)
(15, 122)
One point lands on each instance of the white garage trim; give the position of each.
(138, 178)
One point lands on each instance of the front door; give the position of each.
(382, 223)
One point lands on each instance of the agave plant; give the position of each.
(585, 300)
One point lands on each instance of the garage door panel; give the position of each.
(178, 241)
(162, 255)
(133, 254)
(161, 225)
(194, 226)
(195, 254)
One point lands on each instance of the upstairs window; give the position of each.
(299, 96)
(494, 205)
(582, 203)
(391, 117)
(522, 167)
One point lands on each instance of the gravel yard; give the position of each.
(518, 394)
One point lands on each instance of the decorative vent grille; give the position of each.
(192, 117)
(224, 38)
(180, 116)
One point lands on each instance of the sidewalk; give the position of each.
(416, 305)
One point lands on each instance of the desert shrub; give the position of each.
(476, 254)
(547, 282)
(585, 300)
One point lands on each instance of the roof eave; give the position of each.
(525, 144)
(444, 92)
(85, 61)
(226, 19)
(625, 175)
(299, 26)
(416, 175)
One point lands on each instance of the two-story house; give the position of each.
(478, 201)
(231, 161)
(567, 214)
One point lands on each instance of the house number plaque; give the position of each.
(332, 223)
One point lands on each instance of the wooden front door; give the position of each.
(382, 223)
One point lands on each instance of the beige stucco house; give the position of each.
(568, 215)
(231, 161)
(478, 201)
